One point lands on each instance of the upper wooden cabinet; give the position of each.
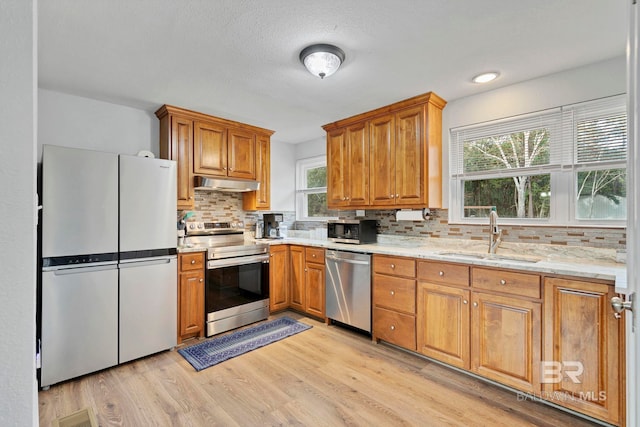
(388, 157)
(210, 146)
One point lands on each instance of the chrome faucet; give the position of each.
(495, 234)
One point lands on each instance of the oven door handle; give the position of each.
(230, 262)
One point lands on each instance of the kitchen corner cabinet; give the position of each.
(307, 277)
(214, 147)
(260, 199)
(394, 300)
(584, 348)
(403, 166)
(278, 278)
(190, 295)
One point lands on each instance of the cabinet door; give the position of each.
(382, 164)
(191, 304)
(506, 340)
(261, 198)
(357, 166)
(582, 348)
(443, 323)
(409, 155)
(278, 277)
(210, 149)
(314, 288)
(337, 168)
(182, 152)
(296, 277)
(242, 154)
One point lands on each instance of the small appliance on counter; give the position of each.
(357, 231)
(272, 226)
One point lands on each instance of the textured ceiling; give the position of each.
(238, 59)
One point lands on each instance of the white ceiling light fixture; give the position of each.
(322, 60)
(485, 77)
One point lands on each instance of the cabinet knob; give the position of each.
(224, 169)
(201, 280)
(392, 292)
(305, 269)
(344, 198)
(313, 255)
(193, 261)
(391, 196)
(441, 273)
(230, 169)
(397, 196)
(475, 304)
(393, 266)
(503, 282)
(271, 255)
(464, 301)
(393, 328)
(347, 197)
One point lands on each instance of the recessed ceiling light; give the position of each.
(485, 77)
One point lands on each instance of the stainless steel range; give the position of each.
(237, 276)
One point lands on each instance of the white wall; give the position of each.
(283, 173)
(74, 121)
(18, 50)
(313, 148)
(593, 81)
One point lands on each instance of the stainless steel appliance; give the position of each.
(148, 264)
(357, 231)
(109, 270)
(348, 288)
(237, 276)
(272, 225)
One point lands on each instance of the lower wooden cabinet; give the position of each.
(278, 278)
(583, 351)
(190, 295)
(394, 300)
(307, 277)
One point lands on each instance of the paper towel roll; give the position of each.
(409, 215)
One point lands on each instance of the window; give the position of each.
(311, 190)
(560, 166)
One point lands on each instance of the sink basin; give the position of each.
(493, 257)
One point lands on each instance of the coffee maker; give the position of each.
(272, 225)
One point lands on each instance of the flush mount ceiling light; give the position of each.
(322, 60)
(485, 77)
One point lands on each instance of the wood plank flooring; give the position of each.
(325, 376)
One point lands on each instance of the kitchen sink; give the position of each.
(493, 257)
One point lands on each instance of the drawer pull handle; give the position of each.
(392, 292)
(503, 282)
(393, 266)
(475, 304)
(464, 301)
(393, 328)
(441, 273)
(193, 261)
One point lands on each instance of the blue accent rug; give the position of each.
(216, 350)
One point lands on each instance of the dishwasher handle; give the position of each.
(347, 261)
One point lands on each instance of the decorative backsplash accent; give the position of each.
(217, 206)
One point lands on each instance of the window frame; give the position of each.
(302, 191)
(563, 165)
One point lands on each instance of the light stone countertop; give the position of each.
(587, 262)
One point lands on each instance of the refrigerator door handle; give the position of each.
(140, 262)
(79, 270)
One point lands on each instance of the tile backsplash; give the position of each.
(227, 207)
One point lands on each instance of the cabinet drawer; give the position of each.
(395, 293)
(508, 282)
(314, 255)
(192, 261)
(439, 272)
(394, 327)
(394, 266)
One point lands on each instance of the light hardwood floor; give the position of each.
(325, 376)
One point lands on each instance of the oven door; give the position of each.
(234, 282)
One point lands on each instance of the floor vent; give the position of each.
(83, 418)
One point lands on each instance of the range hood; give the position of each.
(226, 185)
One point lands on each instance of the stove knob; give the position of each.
(201, 226)
(192, 226)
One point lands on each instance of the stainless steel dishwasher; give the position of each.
(348, 288)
